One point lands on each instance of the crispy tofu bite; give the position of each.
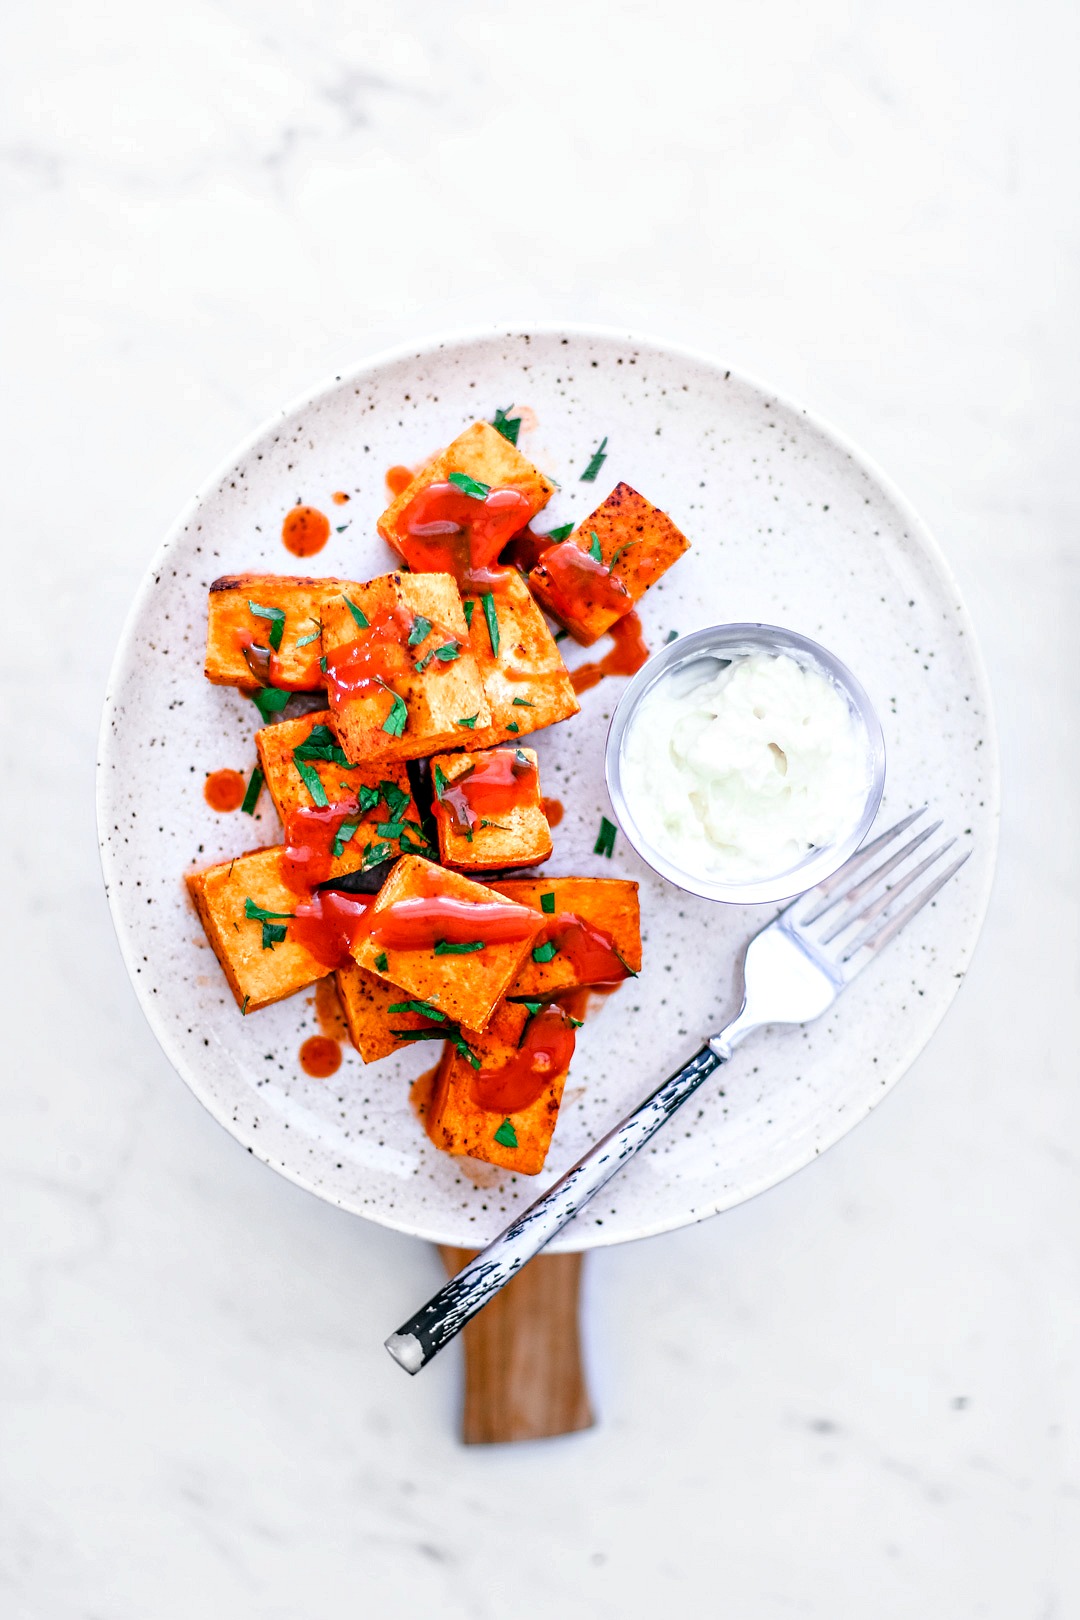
(525, 680)
(607, 564)
(382, 1018)
(488, 809)
(499, 1100)
(269, 940)
(401, 678)
(263, 630)
(446, 940)
(337, 817)
(462, 508)
(591, 933)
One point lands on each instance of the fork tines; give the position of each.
(859, 902)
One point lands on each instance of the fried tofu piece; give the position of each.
(422, 690)
(483, 455)
(240, 647)
(374, 1029)
(637, 543)
(260, 966)
(525, 681)
(525, 1086)
(466, 953)
(368, 814)
(608, 906)
(488, 809)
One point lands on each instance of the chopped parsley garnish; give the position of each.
(272, 934)
(320, 743)
(462, 1047)
(390, 829)
(441, 783)
(672, 635)
(346, 831)
(454, 1036)
(375, 854)
(322, 663)
(523, 703)
(397, 719)
(529, 1002)
(547, 902)
(470, 608)
(421, 629)
(408, 847)
(563, 532)
(512, 725)
(620, 551)
(506, 1134)
(381, 963)
(357, 613)
(470, 486)
(544, 953)
(447, 652)
(396, 799)
(632, 971)
(508, 426)
(450, 947)
(276, 617)
(561, 635)
(605, 841)
(424, 1008)
(244, 1008)
(598, 458)
(468, 720)
(254, 788)
(256, 913)
(269, 700)
(490, 615)
(594, 547)
(310, 778)
(367, 798)
(305, 641)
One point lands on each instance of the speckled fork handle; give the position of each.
(447, 1312)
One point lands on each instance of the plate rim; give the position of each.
(460, 337)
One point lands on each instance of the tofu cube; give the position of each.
(525, 680)
(637, 543)
(395, 691)
(447, 960)
(260, 966)
(374, 1029)
(485, 457)
(240, 647)
(488, 809)
(609, 906)
(367, 814)
(458, 1118)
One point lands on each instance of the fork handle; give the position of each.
(458, 1301)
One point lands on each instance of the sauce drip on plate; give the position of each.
(224, 790)
(320, 1057)
(553, 810)
(625, 658)
(398, 480)
(305, 531)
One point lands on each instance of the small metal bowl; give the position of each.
(725, 642)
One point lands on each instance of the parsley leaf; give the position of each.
(544, 953)
(547, 902)
(397, 719)
(672, 635)
(490, 615)
(305, 641)
(470, 486)
(310, 778)
(421, 629)
(357, 613)
(563, 532)
(605, 841)
(256, 913)
(448, 947)
(390, 829)
(269, 700)
(528, 1002)
(276, 617)
(470, 608)
(254, 788)
(424, 1008)
(367, 798)
(523, 703)
(320, 743)
(468, 721)
(381, 963)
(506, 1134)
(396, 798)
(598, 458)
(594, 547)
(272, 934)
(441, 784)
(345, 832)
(447, 652)
(508, 426)
(375, 854)
(512, 725)
(620, 551)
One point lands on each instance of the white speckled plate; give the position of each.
(790, 525)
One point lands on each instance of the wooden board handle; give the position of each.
(523, 1373)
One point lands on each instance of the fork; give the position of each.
(793, 971)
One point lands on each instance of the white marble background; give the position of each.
(851, 1398)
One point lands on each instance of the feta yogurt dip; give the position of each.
(737, 769)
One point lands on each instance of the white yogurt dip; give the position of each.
(736, 771)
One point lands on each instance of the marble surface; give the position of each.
(853, 1396)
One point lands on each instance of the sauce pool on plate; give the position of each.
(224, 790)
(305, 531)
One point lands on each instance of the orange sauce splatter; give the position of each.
(224, 790)
(625, 658)
(329, 1013)
(553, 810)
(421, 1090)
(339, 497)
(320, 1057)
(398, 480)
(305, 531)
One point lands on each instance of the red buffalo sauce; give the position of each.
(266, 666)
(320, 1057)
(525, 549)
(553, 810)
(547, 1046)
(310, 831)
(578, 585)
(446, 531)
(625, 658)
(329, 923)
(224, 790)
(362, 667)
(305, 531)
(398, 480)
(495, 784)
(419, 922)
(589, 950)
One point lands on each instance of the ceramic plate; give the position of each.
(789, 525)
